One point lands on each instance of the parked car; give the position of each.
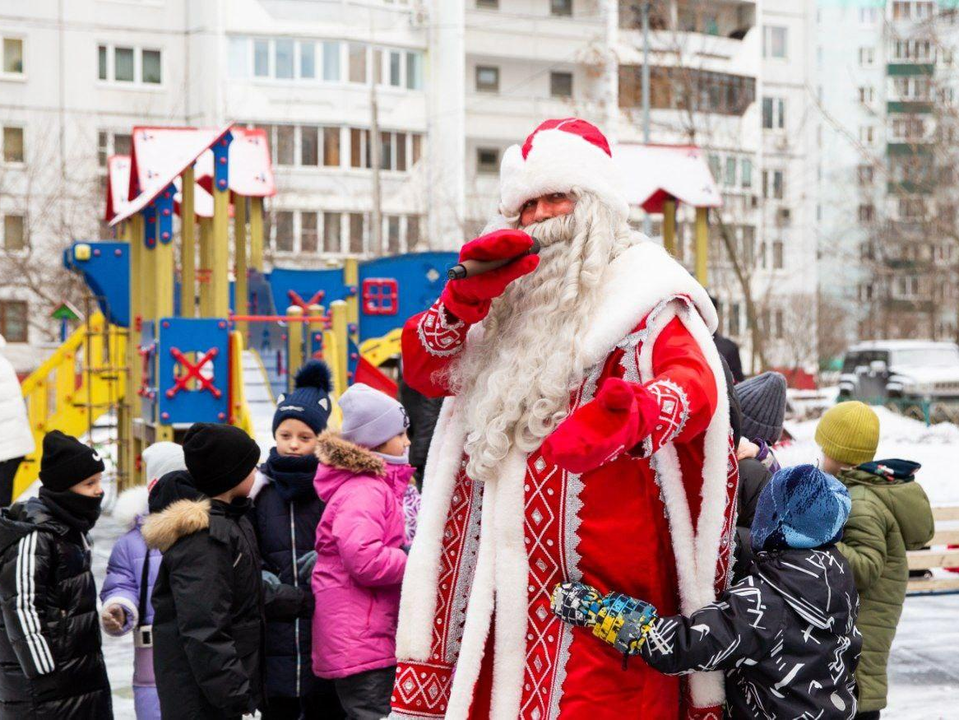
(901, 372)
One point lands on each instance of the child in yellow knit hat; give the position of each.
(889, 514)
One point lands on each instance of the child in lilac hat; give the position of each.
(362, 543)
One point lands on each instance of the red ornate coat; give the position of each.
(476, 637)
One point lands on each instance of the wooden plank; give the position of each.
(934, 585)
(946, 512)
(926, 559)
(946, 537)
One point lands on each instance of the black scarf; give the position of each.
(78, 511)
(291, 474)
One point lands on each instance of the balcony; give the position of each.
(719, 18)
(530, 37)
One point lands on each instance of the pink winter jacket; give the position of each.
(360, 560)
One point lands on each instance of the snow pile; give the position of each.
(934, 447)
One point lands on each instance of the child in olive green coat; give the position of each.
(889, 514)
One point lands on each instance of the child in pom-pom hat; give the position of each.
(286, 514)
(362, 545)
(785, 635)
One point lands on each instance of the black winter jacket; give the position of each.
(209, 610)
(51, 664)
(754, 476)
(285, 532)
(785, 635)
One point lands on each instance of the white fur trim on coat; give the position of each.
(557, 162)
(131, 504)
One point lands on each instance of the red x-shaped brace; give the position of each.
(305, 304)
(193, 372)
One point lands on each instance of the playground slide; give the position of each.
(260, 399)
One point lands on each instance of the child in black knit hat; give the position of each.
(209, 601)
(52, 664)
(286, 514)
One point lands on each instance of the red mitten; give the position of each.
(469, 299)
(619, 417)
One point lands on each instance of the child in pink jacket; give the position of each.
(362, 479)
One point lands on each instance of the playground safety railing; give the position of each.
(941, 553)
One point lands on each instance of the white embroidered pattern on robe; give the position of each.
(439, 336)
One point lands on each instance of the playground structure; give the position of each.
(170, 339)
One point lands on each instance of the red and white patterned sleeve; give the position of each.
(429, 343)
(684, 387)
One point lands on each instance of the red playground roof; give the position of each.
(118, 182)
(654, 173)
(161, 154)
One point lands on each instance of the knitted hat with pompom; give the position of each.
(310, 400)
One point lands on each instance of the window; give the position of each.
(868, 15)
(413, 232)
(488, 160)
(103, 148)
(416, 141)
(13, 320)
(773, 184)
(865, 94)
(746, 173)
(865, 175)
(866, 134)
(730, 176)
(356, 147)
(395, 68)
(331, 232)
(102, 62)
(906, 287)
(122, 144)
(561, 84)
(283, 59)
(331, 147)
(901, 10)
(561, 8)
(284, 230)
(239, 57)
(685, 89)
(386, 154)
(123, 64)
(377, 63)
(12, 56)
(393, 234)
(773, 113)
(777, 250)
(488, 4)
(261, 58)
(309, 145)
(912, 208)
(13, 144)
(866, 213)
(152, 73)
(714, 162)
(308, 232)
(379, 296)
(866, 56)
(774, 41)
(488, 78)
(401, 147)
(331, 61)
(285, 144)
(356, 233)
(308, 60)
(14, 235)
(357, 63)
(414, 71)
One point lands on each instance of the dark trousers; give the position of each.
(8, 470)
(321, 702)
(872, 715)
(366, 695)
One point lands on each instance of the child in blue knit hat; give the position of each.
(785, 635)
(286, 514)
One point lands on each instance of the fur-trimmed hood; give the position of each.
(132, 506)
(335, 452)
(182, 518)
(342, 462)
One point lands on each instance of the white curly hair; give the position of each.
(515, 382)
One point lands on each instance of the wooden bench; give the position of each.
(938, 555)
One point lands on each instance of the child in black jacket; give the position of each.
(51, 663)
(784, 635)
(209, 602)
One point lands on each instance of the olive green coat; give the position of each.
(887, 518)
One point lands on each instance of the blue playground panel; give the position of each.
(197, 349)
(107, 274)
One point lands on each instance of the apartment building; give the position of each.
(888, 194)
(453, 83)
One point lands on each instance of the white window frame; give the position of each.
(137, 82)
(778, 114)
(3, 233)
(768, 32)
(14, 164)
(868, 53)
(20, 76)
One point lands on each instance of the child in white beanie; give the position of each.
(362, 544)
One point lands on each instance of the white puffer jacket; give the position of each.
(15, 437)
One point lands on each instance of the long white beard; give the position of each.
(515, 383)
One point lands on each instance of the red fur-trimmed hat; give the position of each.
(556, 157)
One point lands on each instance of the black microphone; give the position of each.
(470, 268)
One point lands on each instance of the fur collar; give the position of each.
(336, 452)
(182, 518)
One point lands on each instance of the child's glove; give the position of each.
(269, 578)
(620, 416)
(619, 620)
(469, 298)
(305, 565)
